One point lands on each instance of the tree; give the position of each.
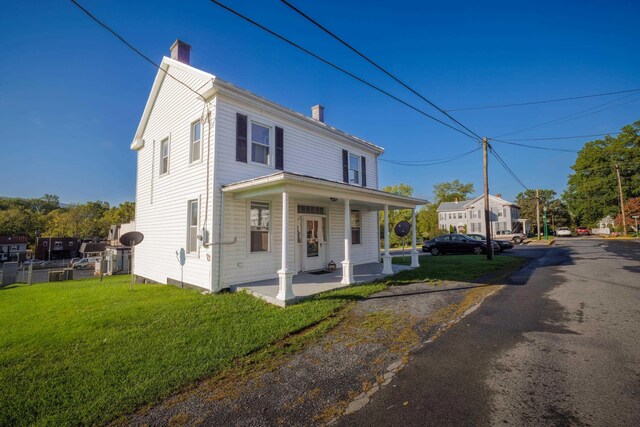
(450, 191)
(17, 221)
(124, 213)
(631, 208)
(557, 212)
(592, 190)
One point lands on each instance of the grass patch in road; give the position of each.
(85, 352)
(465, 268)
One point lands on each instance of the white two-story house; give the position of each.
(468, 216)
(233, 188)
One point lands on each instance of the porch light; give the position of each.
(333, 199)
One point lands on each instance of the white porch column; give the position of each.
(285, 274)
(347, 265)
(414, 251)
(386, 258)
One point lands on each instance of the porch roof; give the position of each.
(306, 186)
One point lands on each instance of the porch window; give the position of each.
(195, 146)
(259, 220)
(192, 239)
(354, 169)
(260, 143)
(355, 227)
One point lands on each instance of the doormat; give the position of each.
(319, 272)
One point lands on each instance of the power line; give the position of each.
(379, 67)
(422, 163)
(565, 137)
(133, 48)
(574, 116)
(547, 101)
(534, 146)
(506, 167)
(342, 70)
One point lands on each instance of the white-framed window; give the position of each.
(164, 156)
(260, 224)
(260, 143)
(192, 225)
(71, 243)
(354, 169)
(195, 147)
(355, 227)
(45, 243)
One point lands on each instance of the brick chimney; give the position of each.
(181, 51)
(317, 113)
(499, 196)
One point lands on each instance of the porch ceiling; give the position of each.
(308, 187)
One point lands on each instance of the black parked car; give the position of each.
(503, 245)
(454, 244)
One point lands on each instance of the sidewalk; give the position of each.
(336, 375)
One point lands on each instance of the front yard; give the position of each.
(86, 352)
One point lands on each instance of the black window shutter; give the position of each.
(364, 171)
(241, 138)
(279, 148)
(345, 166)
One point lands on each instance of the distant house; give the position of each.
(117, 256)
(13, 248)
(468, 216)
(234, 188)
(49, 248)
(91, 249)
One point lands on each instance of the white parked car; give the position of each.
(563, 232)
(85, 263)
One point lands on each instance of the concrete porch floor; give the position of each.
(306, 285)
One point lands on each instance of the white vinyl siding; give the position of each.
(162, 203)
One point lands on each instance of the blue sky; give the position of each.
(71, 94)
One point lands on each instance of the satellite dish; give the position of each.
(131, 238)
(402, 228)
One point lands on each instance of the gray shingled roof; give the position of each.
(452, 206)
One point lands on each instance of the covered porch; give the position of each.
(305, 285)
(299, 239)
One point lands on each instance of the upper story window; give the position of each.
(354, 169)
(196, 146)
(164, 156)
(260, 143)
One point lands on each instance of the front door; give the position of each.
(314, 243)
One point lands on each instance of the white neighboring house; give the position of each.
(233, 188)
(469, 214)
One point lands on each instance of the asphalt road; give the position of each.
(559, 346)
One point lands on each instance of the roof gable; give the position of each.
(212, 85)
(452, 206)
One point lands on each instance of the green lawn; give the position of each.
(86, 352)
(454, 267)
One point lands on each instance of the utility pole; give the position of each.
(624, 220)
(538, 213)
(487, 220)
